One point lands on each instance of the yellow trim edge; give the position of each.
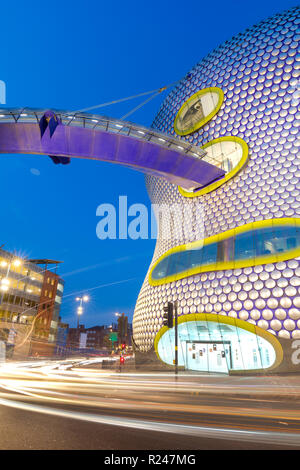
(207, 118)
(237, 322)
(234, 264)
(231, 174)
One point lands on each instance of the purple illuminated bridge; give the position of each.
(97, 137)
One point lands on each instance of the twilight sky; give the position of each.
(71, 54)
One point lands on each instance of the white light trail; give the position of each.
(274, 438)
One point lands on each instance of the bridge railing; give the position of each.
(107, 124)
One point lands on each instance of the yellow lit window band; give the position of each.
(231, 264)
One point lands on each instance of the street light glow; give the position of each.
(17, 262)
(82, 299)
(85, 298)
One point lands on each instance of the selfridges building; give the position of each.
(229, 255)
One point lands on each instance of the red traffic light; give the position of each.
(122, 360)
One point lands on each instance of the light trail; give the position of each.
(60, 371)
(40, 386)
(51, 395)
(274, 438)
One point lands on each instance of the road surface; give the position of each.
(76, 405)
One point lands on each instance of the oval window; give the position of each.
(229, 153)
(260, 242)
(207, 341)
(198, 110)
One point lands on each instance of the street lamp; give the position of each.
(82, 299)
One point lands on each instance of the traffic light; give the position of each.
(168, 315)
(122, 360)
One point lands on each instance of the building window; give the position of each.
(60, 287)
(198, 110)
(257, 243)
(230, 153)
(207, 344)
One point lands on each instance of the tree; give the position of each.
(107, 343)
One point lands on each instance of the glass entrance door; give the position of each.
(208, 356)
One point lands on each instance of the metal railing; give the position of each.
(103, 123)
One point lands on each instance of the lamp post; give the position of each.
(82, 299)
(176, 337)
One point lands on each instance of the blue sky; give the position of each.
(71, 55)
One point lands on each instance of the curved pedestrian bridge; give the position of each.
(95, 137)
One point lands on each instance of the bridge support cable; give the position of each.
(128, 98)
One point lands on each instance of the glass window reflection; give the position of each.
(255, 243)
